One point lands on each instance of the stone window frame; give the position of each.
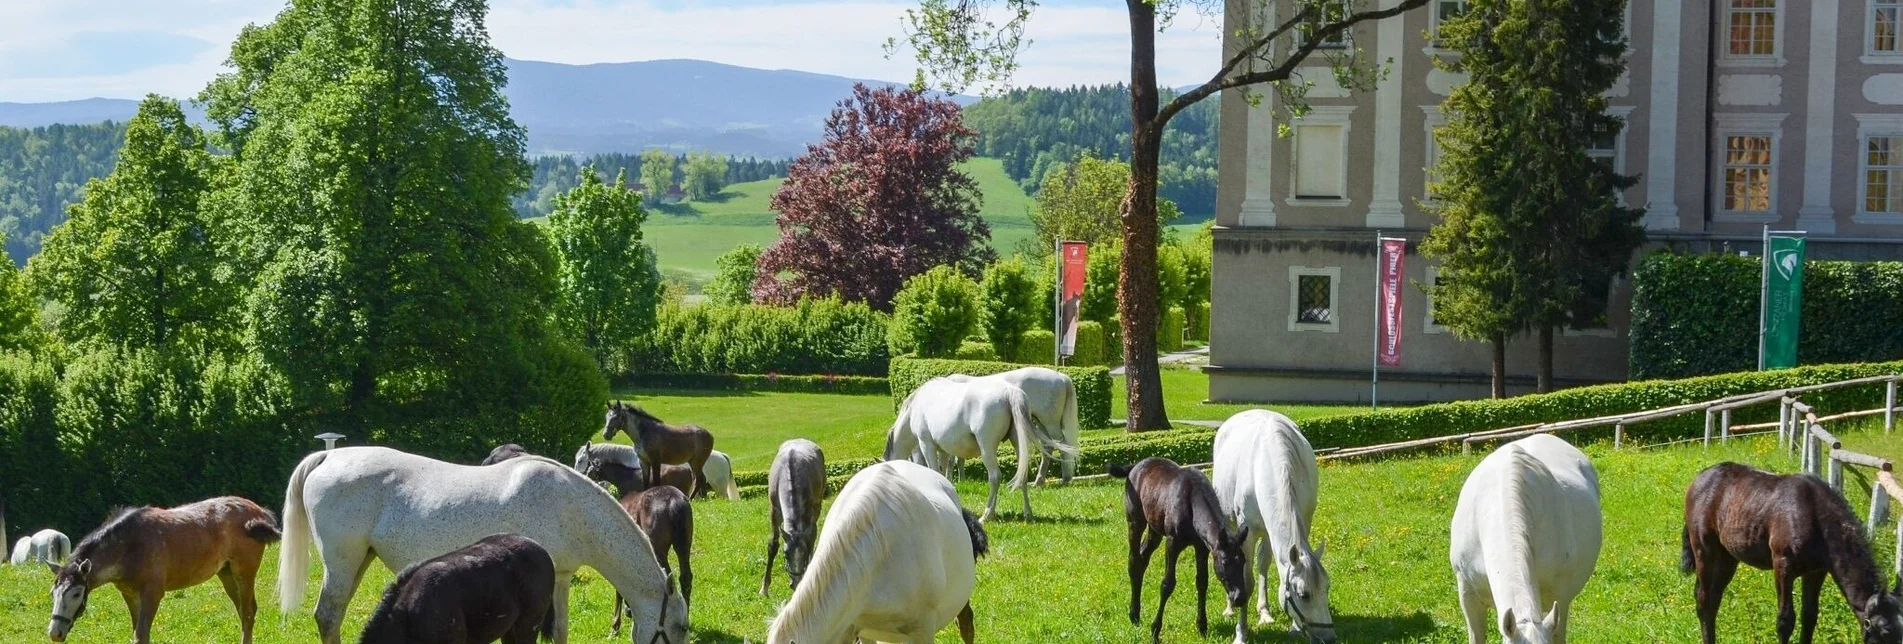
(1295, 275)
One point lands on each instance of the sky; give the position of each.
(55, 50)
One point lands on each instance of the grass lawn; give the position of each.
(1185, 389)
(1063, 578)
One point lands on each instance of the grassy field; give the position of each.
(1185, 389)
(1062, 578)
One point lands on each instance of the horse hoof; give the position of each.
(1264, 617)
(1228, 612)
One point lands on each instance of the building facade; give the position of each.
(1739, 114)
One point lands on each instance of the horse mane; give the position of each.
(1515, 503)
(1855, 563)
(116, 523)
(856, 538)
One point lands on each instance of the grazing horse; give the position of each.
(359, 502)
(1052, 399)
(1266, 480)
(1797, 527)
(46, 546)
(1167, 500)
(660, 443)
(504, 452)
(795, 485)
(966, 419)
(668, 521)
(620, 465)
(896, 563)
(147, 552)
(719, 471)
(498, 588)
(1526, 537)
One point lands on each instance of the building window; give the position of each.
(1747, 173)
(1883, 175)
(1604, 148)
(1314, 294)
(1318, 162)
(1432, 120)
(1443, 11)
(1884, 15)
(1321, 14)
(1751, 28)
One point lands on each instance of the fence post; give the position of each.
(1724, 426)
(1618, 435)
(1889, 406)
(1806, 446)
(1899, 547)
(1708, 419)
(1836, 475)
(1879, 507)
(1784, 423)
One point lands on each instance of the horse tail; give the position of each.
(1118, 470)
(1685, 562)
(261, 531)
(547, 630)
(980, 542)
(294, 555)
(1021, 427)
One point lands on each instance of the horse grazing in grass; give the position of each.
(620, 466)
(946, 418)
(1266, 480)
(1526, 538)
(1052, 401)
(359, 502)
(47, 546)
(719, 472)
(147, 552)
(896, 563)
(499, 588)
(661, 444)
(504, 452)
(1162, 499)
(1797, 527)
(795, 486)
(668, 521)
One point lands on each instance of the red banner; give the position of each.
(1070, 294)
(1393, 254)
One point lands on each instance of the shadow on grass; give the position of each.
(716, 636)
(637, 395)
(1350, 628)
(1017, 518)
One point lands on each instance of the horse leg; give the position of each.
(772, 549)
(991, 474)
(1264, 555)
(699, 463)
(238, 586)
(1169, 586)
(148, 611)
(1202, 588)
(966, 630)
(1560, 611)
(344, 566)
(620, 608)
(1786, 613)
(1141, 548)
(687, 570)
(1473, 602)
(559, 603)
(1715, 569)
(132, 606)
(1813, 585)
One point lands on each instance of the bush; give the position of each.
(1697, 314)
(817, 336)
(1010, 305)
(975, 351)
(734, 275)
(830, 384)
(933, 313)
(1198, 322)
(1169, 334)
(1101, 268)
(1088, 348)
(1093, 383)
(1038, 347)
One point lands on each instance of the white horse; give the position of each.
(1526, 537)
(359, 502)
(895, 563)
(944, 418)
(1052, 399)
(719, 473)
(46, 546)
(1266, 480)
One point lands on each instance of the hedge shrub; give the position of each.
(1169, 333)
(1037, 347)
(1093, 383)
(831, 384)
(1698, 314)
(1009, 305)
(1087, 351)
(815, 337)
(933, 313)
(1198, 322)
(970, 350)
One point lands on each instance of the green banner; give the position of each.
(1783, 297)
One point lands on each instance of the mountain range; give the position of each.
(613, 107)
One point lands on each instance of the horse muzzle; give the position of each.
(57, 630)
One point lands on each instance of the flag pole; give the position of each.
(1374, 383)
(1764, 292)
(1057, 304)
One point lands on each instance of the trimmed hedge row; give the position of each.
(1037, 347)
(830, 384)
(1089, 347)
(1697, 314)
(1169, 334)
(1093, 383)
(816, 336)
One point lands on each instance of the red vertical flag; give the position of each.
(1070, 294)
(1393, 254)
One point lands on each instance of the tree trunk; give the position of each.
(1545, 376)
(1499, 366)
(1137, 285)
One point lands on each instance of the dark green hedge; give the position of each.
(1037, 347)
(1093, 383)
(1089, 347)
(1697, 314)
(815, 337)
(756, 382)
(1169, 334)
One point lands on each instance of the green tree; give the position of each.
(960, 44)
(19, 317)
(704, 175)
(657, 172)
(1011, 305)
(610, 286)
(1079, 201)
(1532, 230)
(933, 313)
(138, 263)
(734, 275)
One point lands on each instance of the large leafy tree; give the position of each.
(610, 287)
(657, 172)
(1080, 200)
(376, 159)
(879, 201)
(1532, 229)
(19, 324)
(703, 175)
(735, 271)
(960, 43)
(138, 264)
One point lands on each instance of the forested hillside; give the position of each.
(1035, 129)
(42, 170)
(554, 175)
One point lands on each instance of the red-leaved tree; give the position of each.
(879, 201)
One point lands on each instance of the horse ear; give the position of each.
(1242, 537)
(1295, 554)
(1508, 626)
(85, 567)
(1552, 617)
(1321, 549)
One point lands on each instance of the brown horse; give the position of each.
(1167, 500)
(1795, 526)
(668, 520)
(147, 552)
(660, 443)
(619, 465)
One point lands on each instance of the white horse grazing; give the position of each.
(895, 563)
(1266, 481)
(719, 473)
(1052, 399)
(358, 502)
(967, 419)
(1526, 538)
(46, 546)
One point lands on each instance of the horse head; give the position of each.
(1305, 592)
(1882, 617)
(71, 585)
(1524, 629)
(1232, 566)
(616, 420)
(799, 551)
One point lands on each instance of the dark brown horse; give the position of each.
(665, 516)
(147, 552)
(1163, 499)
(501, 587)
(1793, 525)
(620, 466)
(660, 443)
